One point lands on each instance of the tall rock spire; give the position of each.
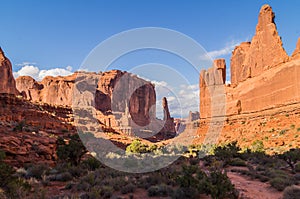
(7, 81)
(264, 52)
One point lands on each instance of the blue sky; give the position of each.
(48, 35)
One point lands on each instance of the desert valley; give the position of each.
(96, 134)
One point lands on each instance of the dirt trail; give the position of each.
(253, 189)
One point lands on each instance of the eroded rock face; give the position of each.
(111, 91)
(262, 75)
(7, 83)
(264, 52)
(28, 131)
(239, 72)
(169, 121)
(212, 84)
(296, 53)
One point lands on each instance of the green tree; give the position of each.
(137, 147)
(72, 151)
(227, 152)
(291, 157)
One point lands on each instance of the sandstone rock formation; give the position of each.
(169, 125)
(212, 89)
(296, 53)
(28, 131)
(261, 75)
(7, 83)
(111, 90)
(239, 72)
(264, 52)
(108, 92)
(51, 90)
(264, 84)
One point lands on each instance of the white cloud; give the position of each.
(25, 63)
(28, 70)
(226, 50)
(37, 74)
(54, 72)
(181, 99)
(69, 68)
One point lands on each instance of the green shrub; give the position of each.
(76, 171)
(63, 177)
(292, 192)
(280, 183)
(71, 152)
(129, 188)
(105, 192)
(20, 126)
(159, 190)
(297, 176)
(220, 186)
(283, 131)
(137, 147)
(297, 167)
(12, 186)
(227, 152)
(257, 146)
(36, 171)
(91, 163)
(238, 162)
(291, 157)
(185, 193)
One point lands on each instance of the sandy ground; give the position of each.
(253, 189)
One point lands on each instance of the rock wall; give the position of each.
(263, 76)
(112, 91)
(212, 89)
(296, 53)
(7, 83)
(265, 50)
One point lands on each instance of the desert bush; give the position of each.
(280, 183)
(129, 188)
(260, 168)
(63, 177)
(36, 171)
(117, 182)
(10, 184)
(136, 147)
(91, 163)
(291, 157)
(160, 190)
(292, 192)
(297, 176)
(71, 152)
(83, 186)
(20, 126)
(220, 186)
(76, 171)
(185, 193)
(257, 146)
(237, 162)
(297, 167)
(227, 152)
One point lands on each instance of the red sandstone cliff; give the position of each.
(7, 83)
(112, 91)
(265, 50)
(262, 75)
